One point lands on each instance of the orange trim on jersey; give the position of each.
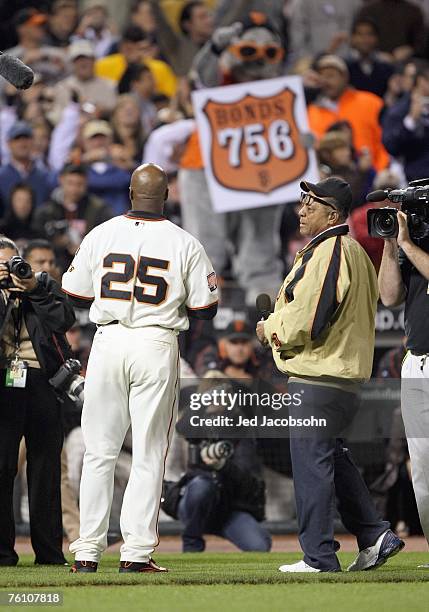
(82, 297)
(143, 218)
(201, 307)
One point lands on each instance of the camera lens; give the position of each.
(385, 224)
(19, 267)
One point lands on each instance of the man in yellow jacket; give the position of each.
(322, 336)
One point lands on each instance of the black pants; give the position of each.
(322, 470)
(34, 413)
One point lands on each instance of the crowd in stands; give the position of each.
(112, 88)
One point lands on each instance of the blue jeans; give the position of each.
(198, 505)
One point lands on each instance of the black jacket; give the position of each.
(48, 315)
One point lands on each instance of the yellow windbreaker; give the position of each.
(323, 325)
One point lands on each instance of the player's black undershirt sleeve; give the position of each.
(206, 313)
(76, 302)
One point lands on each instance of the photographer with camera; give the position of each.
(34, 316)
(222, 491)
(221, 494)
(403, 277)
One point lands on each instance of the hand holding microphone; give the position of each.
(263, 306)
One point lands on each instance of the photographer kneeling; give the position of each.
(221, 496)
(403, 276)
(34, 316)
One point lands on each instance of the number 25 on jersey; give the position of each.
(131, 271)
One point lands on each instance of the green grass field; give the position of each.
(229, 582)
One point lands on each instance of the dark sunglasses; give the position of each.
(307, 198)
(249, 51)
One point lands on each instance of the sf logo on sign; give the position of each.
(256, 144)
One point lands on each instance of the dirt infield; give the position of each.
(289, 543)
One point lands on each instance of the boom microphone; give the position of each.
(263, 305)
(15, 71)
(377, 196)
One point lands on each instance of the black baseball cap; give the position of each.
(29, 16)
(332, 187)
(238, 330)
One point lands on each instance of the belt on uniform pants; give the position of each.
(115, 322)
(416, 354)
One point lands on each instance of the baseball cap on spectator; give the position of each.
(238, 330)
(332, 187)
(20, 129)
(29, 16)
(80, 48)
(96, 128)
(332, 61)
(71, 168)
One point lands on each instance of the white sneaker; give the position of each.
(424, 566)
(387, 545)
(301, 566)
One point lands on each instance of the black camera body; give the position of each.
(414, 202)
(19, 267)
(67, 381)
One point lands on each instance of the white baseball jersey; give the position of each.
(141, 270)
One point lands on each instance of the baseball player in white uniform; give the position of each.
(143, 277)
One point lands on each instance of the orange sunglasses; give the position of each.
(248, 51)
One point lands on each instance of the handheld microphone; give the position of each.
(263, 305)
(378, 196)
(15, 71)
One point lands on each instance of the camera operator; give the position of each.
(222, 492)
(403, 277)
(34, 316)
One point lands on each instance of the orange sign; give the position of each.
(255, 142)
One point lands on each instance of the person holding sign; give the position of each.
(245, 51)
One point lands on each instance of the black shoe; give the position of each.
(140, 567)
(84, 567)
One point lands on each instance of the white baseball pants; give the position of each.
(132, 377)
(415, 414)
